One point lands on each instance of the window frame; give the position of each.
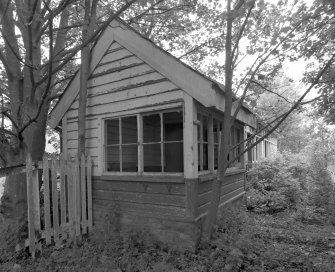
(140, 143)
(212, 117)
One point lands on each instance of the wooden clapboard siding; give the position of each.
(145, 197)
(232, 186)
(150, 88)
(125, 84)
(133, 103)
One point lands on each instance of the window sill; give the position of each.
(159, 178)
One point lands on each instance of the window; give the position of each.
(235, 144)
(159, 149)
(121, 146)
(203, 143)
(217, 128)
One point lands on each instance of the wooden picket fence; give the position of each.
(66, 193)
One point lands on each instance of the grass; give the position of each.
(242, 241)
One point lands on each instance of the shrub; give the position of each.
(275, 185)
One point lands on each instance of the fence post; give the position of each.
(76, 179)
(46, 183)
(30, 198)
(89, 192)
(83, 193)
(62, 165)
(55, 213)
(71, 196)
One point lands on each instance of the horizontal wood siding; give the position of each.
(144, 198)
(232, 186)
(119, 83)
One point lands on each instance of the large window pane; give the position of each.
(113, 158)
(152, 158)
(173, 157)
(205, 129)
(129, 129)
(129, 158)
(173, 126)
(112, 131)
(205, 157)
(151, 128)
(216, 156)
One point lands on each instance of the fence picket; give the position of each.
(83, 193)
(55, 213)
(89, 192)
(76, 178)
(47, 216)
(74, 193)
(71, 196)
(62, 163)
(30, 199)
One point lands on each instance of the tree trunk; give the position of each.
(224, 143)
(88, 27)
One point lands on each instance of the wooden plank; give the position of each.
(192, 82)
(62, 170)
(151, 88)
(149, 187)
(117, 65)
(89, 193)
(231, 187)
(116, 55)
(131, 104)
(71, 196)
(36, 196)
(30, 200)
(147, 209)
(190, 140)
(83, 193)
(114, 46)
(191, 196)
(47, 214)
(76, 195)
(205, 186)
(55, 212)
(138, 70)
(174, 179)
(71, 91)
(130, 83)
(144, 198)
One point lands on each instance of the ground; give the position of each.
(243, 241)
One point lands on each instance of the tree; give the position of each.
(271, 99)
(34, 54)
(273, 46)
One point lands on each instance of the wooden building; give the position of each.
(153, 127)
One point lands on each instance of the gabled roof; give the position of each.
(197, 85)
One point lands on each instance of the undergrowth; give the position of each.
(242, 241)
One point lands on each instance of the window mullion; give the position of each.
(201, 144)
(162, 145)
(140, 143)
(120, 143)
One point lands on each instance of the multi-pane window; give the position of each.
(159, 149)
(217, 128)
(163, 142)
(121, 144)
(235, 145)
(203, 143)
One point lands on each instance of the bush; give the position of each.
(276, 185)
